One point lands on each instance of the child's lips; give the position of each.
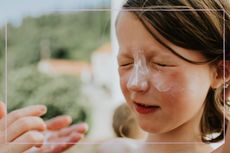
(145, 108)
(145, 104)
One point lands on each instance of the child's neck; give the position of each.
(183, 139)
(175, 148)
(187, 132)
(178, 135)
(176, 142)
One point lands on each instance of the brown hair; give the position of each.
(192, 27)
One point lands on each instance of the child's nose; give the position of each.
(138, 86)
(137, 81)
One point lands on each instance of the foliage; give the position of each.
(2, 50)
(61, 95)
(22, 83)
(79, 34)
(73, 35)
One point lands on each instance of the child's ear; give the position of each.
(222, 69)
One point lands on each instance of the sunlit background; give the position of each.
(62, 54)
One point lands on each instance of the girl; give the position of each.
(172, 73)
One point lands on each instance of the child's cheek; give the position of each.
(172, 86)
(168, 82)
(182, 94)
(123, 84)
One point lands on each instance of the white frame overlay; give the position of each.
(166, 9)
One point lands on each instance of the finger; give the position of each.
(58, 122)
(2, 110)
(24, 142)
(77, 128)
(3, 120)
(23, 125)
(61, 144)
(35, 110)
(67, 143)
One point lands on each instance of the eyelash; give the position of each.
(161, 65)
(124, 65)
(158, 64)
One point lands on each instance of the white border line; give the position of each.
(162, 9)
(148, 9)
(134, 141)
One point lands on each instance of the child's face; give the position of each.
(172, 90)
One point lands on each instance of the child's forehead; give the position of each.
(125, 17)
(134, 37)
(159, 44)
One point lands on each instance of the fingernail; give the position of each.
(76, 136)
(69, 118)
(82, 127)
(43, 108)
(85, 126)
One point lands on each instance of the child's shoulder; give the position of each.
(118, 145)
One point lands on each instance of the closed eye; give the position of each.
(159, 64)
(163, 65)
(126, 64)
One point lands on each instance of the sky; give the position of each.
(14, 11)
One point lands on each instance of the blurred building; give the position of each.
(56, 67)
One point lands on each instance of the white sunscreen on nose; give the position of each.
(141, 75)
(140, 72)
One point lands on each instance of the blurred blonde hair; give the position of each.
(124, 122)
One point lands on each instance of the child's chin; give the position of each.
(152, 129)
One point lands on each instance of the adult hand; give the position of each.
(22, 126)
(60, 137)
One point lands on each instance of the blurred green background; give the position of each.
(67, 36)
